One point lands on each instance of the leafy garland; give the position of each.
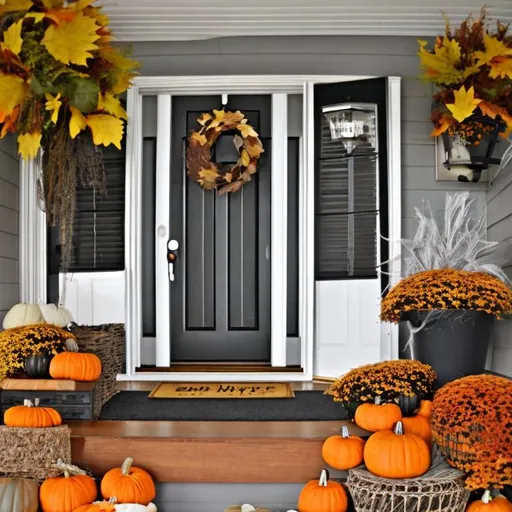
(209, 175)
(473, 70)
(60, 81)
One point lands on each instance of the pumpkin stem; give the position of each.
(377, 400)
(27, 403)
(344, 432)
(71, 345)
(127, 464)
(324, 478)
(399, 428)
(112, 501)
(68, 469)
(36, 402)
(486, 498)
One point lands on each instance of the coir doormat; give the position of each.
(222, 390)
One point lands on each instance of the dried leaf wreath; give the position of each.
(208, 174)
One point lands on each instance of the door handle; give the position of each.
(172, 248)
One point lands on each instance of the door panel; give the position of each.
(220, 299)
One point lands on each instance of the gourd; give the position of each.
(418, 425)
(344, 451)
(425, 409)
(30, 415)
(68, 492)
(38, 365)
(128, 484)
(23, 314)
(56, 315)
(112, 506)
(323, 496)
(393, 454)
(489, 504)
(75, 365)
(377, 416)
(18, 495)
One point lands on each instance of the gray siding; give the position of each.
(9, 197)
(499, 228)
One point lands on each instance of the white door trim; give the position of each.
(247, 84)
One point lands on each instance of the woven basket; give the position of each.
(441, 489)
(30, 452)
(108, 343)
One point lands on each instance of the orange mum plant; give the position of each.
(472, 425)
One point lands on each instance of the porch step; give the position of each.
(208, 452)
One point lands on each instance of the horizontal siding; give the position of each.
(499, 229)
(9, 241)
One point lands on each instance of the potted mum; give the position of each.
(452, 293)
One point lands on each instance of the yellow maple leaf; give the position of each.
(208, 178)
(198, 137)
(15, 6)
(12, 38)
(112, 105)
(465, 103)
(123, 68)
(204, 119)
(37, 16)
(53, 104)
(72, 42)
(493, 48)
(247, 131)
(29, 144)
(77, 123)
(106, 129)
(501, 67)
(245, 159)
(13, 90)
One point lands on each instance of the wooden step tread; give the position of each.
(45, 385)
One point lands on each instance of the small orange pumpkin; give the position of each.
(98, 506)
(344, 451)
(30, 415)
(323, 496)
(377, 416)
(128, 484)
(418, 425)
(489, 504)
(74, 365)
(425, 409)
(67, 493)
(393, 454)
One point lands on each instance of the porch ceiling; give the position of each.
(180, 20)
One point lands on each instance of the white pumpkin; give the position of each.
(19, 495)
(23, 314)
(55, 315)
(134, 507)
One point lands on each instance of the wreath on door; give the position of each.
(223, 178)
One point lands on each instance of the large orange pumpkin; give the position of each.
(29, 415)
(128, 484)
(344, 451)
(425, 409)
(377, 416)
(488, 504)
(418, 425)
(74, 365)
(393, 454)
(323, 496)
(67, 493)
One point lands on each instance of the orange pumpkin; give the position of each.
(425, 409)
(74, 365)
(344, 451)
(488, 504)
(418, 425)
(29, 415)
(393, 454)
(98, 506)
(323, 496)
(67, 493)
(377, 416)
(128, 484)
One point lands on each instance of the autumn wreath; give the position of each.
(210, 175)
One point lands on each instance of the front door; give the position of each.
(220, 296)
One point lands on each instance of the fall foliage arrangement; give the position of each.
(60, 81)
(472, 425)
(472, 67)
(210, 175)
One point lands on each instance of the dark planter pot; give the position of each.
(455, 343)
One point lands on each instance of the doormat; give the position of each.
(222, 390)
(306, 406)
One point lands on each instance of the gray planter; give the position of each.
(455, 343)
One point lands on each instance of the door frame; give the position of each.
(279, 86)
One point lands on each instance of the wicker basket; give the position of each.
(108, 343)
(441, 489)
(30, 452)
